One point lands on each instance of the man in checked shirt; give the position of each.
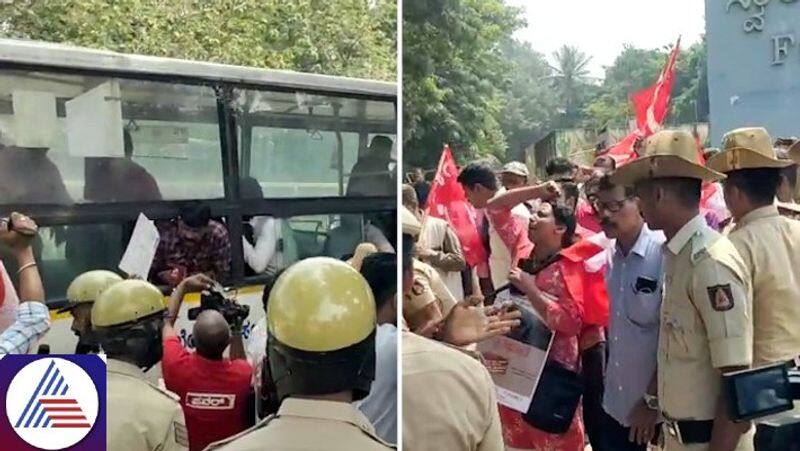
(33, 318)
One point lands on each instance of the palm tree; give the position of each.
(570, 75)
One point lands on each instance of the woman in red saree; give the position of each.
(551, 229)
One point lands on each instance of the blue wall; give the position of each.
(747, 85)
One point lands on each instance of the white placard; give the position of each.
(138, 257)
(525, 350)
(94, 122)
(34, 123)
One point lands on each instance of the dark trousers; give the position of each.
(614, 437)
(593, 370)
(784, 438)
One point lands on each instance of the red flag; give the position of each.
(583, 268)
(651, 104)
(448, 201)
(624, 151)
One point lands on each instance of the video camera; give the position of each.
(213, 299)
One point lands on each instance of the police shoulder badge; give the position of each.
(721, 297)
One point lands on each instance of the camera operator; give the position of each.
(214, 390)
(32, 318)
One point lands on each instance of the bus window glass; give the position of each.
(304, 145)
(68, 139)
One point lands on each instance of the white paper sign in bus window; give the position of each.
(94, 122)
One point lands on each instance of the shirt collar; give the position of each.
(758, 213)
(640, 246)
(128, 369)
(685, 234)
(325, 410)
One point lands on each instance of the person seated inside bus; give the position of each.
(111, 179)
(268, 242)
(370, 175)
(194, 243)
(343, 239)
(29, 176)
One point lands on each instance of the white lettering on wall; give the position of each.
(780, 48)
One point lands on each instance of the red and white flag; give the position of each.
(652, 104)
(448, 201)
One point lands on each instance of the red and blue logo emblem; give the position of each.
(53, 402)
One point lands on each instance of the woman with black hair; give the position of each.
(551, 229)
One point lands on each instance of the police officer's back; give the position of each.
(127, 318)
(321, 323)
(768, 242)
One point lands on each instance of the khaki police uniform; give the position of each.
(429, 277)
(448, 399)
(141, 416)
(770, 246)
(706, 311)
(306, 424)
(705, 325)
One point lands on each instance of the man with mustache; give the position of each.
(633, 282)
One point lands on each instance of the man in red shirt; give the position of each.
(214, 390)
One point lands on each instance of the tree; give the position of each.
(570, 78)
(531, 105)
(633, 69)
(454, 77)
(347, 37)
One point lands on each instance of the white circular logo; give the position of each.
(52, 403)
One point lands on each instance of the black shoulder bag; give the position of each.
(559, 390)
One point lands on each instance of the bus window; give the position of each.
(274, 243)
(304, 145)
(78, 139)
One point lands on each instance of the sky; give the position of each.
(599, 28)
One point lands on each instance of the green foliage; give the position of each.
(570, 80)
(354, 38)
(531, 104)
(454, 77)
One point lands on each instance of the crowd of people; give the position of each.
(659, 279)
(318, 373)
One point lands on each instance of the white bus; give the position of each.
(71, 116)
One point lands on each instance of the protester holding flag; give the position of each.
(507, 224)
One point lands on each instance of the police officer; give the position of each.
(321, 324)
(127, 319)
(449, 399)
(706, 325)
(81, 294)
(769, 243)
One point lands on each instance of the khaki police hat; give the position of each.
(794, 152)
(87, 287)
(746, 148)
(668, 153)
(411, 225)
(127, 302)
